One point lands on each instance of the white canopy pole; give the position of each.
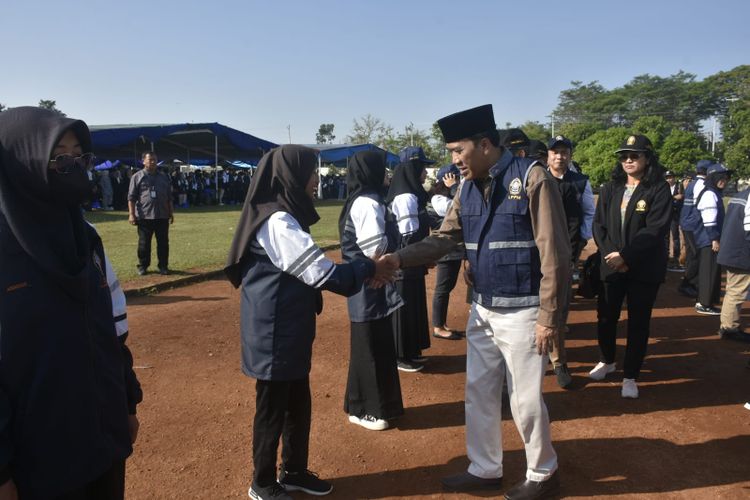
(216, 166)
(320, 179)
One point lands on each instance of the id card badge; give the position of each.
(153, 194)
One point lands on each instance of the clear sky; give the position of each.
(262, 65)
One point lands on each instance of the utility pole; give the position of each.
(552, 122)
(289, 132)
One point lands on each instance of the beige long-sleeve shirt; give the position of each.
(550, 234)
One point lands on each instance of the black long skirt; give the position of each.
(411, 331)
(373, 387)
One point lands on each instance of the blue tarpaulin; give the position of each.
(338, 153)
(190, 142)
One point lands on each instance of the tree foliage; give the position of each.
(2, 107)
(369, 130)
(51, 105)
(325, 134)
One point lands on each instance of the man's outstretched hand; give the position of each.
(386, 270)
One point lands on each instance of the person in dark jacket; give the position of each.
(407, 202)
(68, 393)
(281, 272)
(630, 224)
(709, 205)
(373, 389)
(734, 257)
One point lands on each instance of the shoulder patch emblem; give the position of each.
(515, 187)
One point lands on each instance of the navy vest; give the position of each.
(689, 215)
(499, 238)
(572, 185)
(370, 304)
(734, 250)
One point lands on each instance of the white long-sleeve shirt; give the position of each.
(368, 220)
(406, 210)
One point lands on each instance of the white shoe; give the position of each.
(369, 422)
(747, 406)
(601, 370)
(629, 388)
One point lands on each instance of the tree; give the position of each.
(2, 107)
(736, 131)
(369, 130)
(680, 151)
(536, 130)
(51, 105)
(325, 134)
(596, 153)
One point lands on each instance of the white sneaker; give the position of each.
(369, 422)
(747, 406)
(629, 388)
(601, 370)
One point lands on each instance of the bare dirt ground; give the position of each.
(687, 436)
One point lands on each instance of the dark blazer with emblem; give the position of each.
(640, 237)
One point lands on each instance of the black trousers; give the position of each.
(690, 277)
(709, 277)
(282, 411)
(641, 297)
(445, 281)
(108, 486)
(146, 229)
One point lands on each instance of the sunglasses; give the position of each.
(630, 156)
(62, 164)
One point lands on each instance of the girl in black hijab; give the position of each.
(281, 271)
(406, 201)
(373, 390)
(61, 361)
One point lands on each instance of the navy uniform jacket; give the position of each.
(640, 239)
(66, 380)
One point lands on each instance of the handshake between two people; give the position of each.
(386, 270)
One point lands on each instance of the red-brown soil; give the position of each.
(688, 435)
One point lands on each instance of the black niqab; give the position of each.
(52, 233)
(407, 179)
(278, 185)
(365, 174)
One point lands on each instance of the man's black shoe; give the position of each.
(163, 271)
(531, 490)
(469, 482)
(141, 271)
(273, 492)
(563, 376)
(688, 291)
(306, 481)
(734, 334)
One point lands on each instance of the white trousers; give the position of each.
(501, 343)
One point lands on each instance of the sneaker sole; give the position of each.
(291, 487)
(410, 370)
(708, 313)
(355, 420)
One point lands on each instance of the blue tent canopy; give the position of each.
(191, 142)
(339, 153)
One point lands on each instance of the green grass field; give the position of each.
(199, 239)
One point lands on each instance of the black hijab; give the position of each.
(406, 179)
(278, 186)
(365, 174)
(49, 230)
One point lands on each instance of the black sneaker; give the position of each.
(306, 481)
(563, 376)
(405, 365)
(707, 310)
(141, 271)
(163, 271)
(734, 334)
(273, 492)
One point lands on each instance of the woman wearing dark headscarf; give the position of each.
(373, 391)
(406, 201)
(281, 271)
(68, 393)
(630, 224)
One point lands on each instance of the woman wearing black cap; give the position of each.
(373, 390)
(68, 393)
(281, 271)
(631, 222)
(407, 200)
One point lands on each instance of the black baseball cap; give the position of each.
(637, 142)
(537, 149)
(560, 140)
(467, 123)
(515, 139)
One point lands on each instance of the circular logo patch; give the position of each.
(515, 186)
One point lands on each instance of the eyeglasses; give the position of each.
(62, 164)
(630, 156)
